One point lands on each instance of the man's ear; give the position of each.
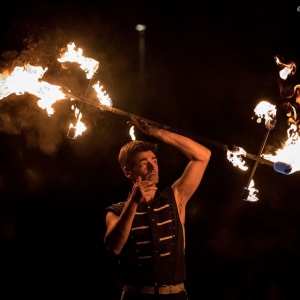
(127, 173)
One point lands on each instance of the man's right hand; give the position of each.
(143, 191)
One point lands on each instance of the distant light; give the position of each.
(140, 27)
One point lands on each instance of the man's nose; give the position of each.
(150, 165)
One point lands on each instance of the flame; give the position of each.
(252, 192)
(28, 79)
(288, 69)
(234, 156)
(79, 127)
(102, 95)
(131, 132)
(267, 111)
(89, 65)
(289, 153)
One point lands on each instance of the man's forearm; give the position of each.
(192, 149)
(117, 236)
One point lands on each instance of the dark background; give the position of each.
(206, 68)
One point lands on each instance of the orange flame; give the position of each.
(289, 153)
(89, 65)
(28, 79)
(102, 95)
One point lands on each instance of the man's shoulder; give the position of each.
(116, 207)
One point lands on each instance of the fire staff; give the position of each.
(146, 231)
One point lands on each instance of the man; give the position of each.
(147, 230)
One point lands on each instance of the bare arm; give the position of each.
(118, 227)
(198, 156)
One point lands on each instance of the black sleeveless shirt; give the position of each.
(154, 252)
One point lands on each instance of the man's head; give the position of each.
(138, 158)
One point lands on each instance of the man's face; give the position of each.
(145, 166)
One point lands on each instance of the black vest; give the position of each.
(154, 251)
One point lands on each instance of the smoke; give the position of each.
(20, 114)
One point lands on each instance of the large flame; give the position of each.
(289, 153)
(89, 65)
(28, 79)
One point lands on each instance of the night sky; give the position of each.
(206, 68)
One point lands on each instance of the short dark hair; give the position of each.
(128, 151)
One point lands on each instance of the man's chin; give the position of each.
(154, 178)
(155, 181)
